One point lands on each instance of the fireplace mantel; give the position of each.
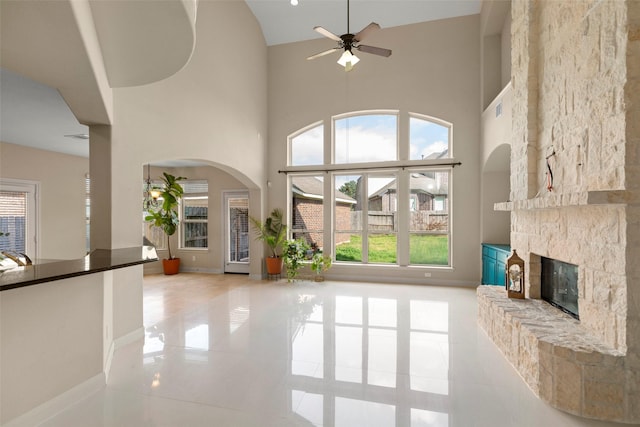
(586, 198)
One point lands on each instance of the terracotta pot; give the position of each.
(171, 266)
(274, 265)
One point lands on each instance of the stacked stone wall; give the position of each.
(570, 67)
(581, 108)
(576, 105)
(592, 238)
(632, 182)
(525, 93)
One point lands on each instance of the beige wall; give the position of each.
(213, 110)
(434, 70)
(496, 162)
(505, 46)
(61, 229)
(50, 341)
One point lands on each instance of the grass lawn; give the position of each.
(424, 249)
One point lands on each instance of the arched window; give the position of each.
(365, 138)
(387, 188)
(306, 146)
(429, 138)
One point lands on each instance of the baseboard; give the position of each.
(201, 270)
(403, 280)
(132, 336)
(50, 408)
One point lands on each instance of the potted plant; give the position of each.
(320, 263)
(273, 232)
(295, 252)
(166, 216)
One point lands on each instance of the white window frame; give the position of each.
(402, 166)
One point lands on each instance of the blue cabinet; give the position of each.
(494, 261)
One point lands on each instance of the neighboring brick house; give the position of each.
(307, 211)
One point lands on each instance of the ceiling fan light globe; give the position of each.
(348, 60)
(294, 2)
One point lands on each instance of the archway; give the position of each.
(495, 188)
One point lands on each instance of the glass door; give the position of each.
(236, 214)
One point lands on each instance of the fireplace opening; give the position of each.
(559, 285)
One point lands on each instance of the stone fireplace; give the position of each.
(575, 181)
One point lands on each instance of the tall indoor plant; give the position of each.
(273, 231)
(166, 217)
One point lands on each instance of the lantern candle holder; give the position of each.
(514, 276)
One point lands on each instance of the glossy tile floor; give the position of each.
(225, 351)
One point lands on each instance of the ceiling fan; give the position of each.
(349, 41)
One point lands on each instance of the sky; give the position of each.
(370, 138)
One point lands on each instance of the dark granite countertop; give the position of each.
(95, 262)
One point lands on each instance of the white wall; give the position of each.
(61, 230)
(434, 69)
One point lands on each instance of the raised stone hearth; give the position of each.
(562, 362)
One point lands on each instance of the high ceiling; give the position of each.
(35, 115)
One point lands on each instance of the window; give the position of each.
(307, 146)
(429, 221)
(404, 185)
(13, 221)
(195, 214)
(347, 214)
(18, 217)
(366, 138)
(308, 210)
(382, 218)
(428, 139)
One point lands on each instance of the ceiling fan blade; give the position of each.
(366, 31)
(326, 52)
(375, 50)
(327, 33)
